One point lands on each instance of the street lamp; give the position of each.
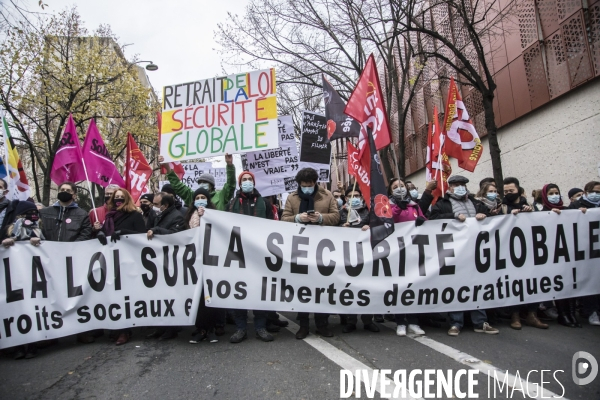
(150, 67)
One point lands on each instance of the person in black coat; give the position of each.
(122, 219)
(169, 219)
(459, 204)
(148, 212)
(65, 221)
(589, 199)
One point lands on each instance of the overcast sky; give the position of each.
(176, 34)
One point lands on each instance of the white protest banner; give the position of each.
(272, 167)
(440, 266)
(194, 170)
(60, 289)
(211, 117)
(315, 148)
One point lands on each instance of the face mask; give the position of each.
(340, 202)
(414, 193)
(399, 192)
(554, 198)
(491, 196)
(145, 207)
(204, 186)
(64, 197)
(200, 203)
(106, 199)
(119, 202)
(577, 198)
(460, 191)
(308, 190)
(32, 217)
(355, 202)
(1, 194)
(156, 210)
(594, 197)
(512, 197)
(247, 186)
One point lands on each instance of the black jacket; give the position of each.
(169, 221)
(130, 223)
(581, 203)
(149, 218)
(443, 208)
(8, 208)
(507, 208)
(65, 224)
(363, 212)
(246, 204)
(425, 201)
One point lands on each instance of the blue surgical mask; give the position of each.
(200, 203)
(340, 202)
(554, 198)
(460, 191)
(247, 186)
(308, 190)
(414, 193)
(204, 186)
(355, 202)
(491, 196)
(593, 197)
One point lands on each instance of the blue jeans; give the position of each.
(457, 318)
(241, 319)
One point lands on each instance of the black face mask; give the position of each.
(33, 217)
(145, 207)
(512, 197)
(119, 202)
(64, 197)
(106, 199)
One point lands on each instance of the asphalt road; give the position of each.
(293, 369)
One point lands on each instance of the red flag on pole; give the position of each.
(175, 166)
(438, 164)
(360, 167)
(366, 106)
(463, 140)
(137, 170)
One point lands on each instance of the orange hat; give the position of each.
(244, 173)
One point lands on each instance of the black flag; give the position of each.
(381, 221)
(339, 125)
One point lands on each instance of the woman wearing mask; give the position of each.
(122, 219)
(589, 199)
(405, 209)
(25, 227)
(357, 210)
(551, 200)
(488, 195)
(207, 316)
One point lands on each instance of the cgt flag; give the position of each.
(67, 164)
(360, 168)
(366, 106)
(463, 140)
(438, 165)
(176, 166)
(137, 170)
(339, 125)
(18, 186)
(101, 168)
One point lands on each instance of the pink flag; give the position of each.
(67, 165)
(100, 167)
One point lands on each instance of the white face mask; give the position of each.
(156, 209)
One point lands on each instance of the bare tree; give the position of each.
(460, 34)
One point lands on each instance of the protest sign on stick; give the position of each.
(315, 148)
(272, 167)
(211, 117)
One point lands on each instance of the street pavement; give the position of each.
(288, 368)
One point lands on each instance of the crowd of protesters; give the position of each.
(177, 208)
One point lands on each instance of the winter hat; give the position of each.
(25, 206)
(574, 191)
(244, 173)
(148, 196)
(208, 178)
(167, 189)
(458, 179)
(351, 189)
(201, 191)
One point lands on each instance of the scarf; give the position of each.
(597, 204)
(489, 203)
(462, 205)
(20, 231)
(545, 201)
(307, 201)
(112, 218)
(256, 203)
(402, 202)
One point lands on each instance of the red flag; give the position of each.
(438, 164)
(463, 140)
(360, 168)
(176, 166)
(366, 106)
(137, 170)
